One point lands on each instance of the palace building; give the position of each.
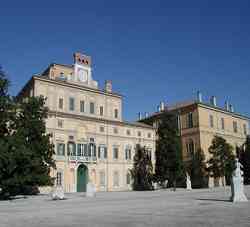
(199, 122)
(92, 141)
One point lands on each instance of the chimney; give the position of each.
(213, 101)
(162, 106)
(231, 108)
(227, 106)
(108, 86)
(139, 116)
(199, 96)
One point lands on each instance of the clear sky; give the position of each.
(151, 50)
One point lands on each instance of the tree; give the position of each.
(25, 148)
(222, 161)
(197, 169)
(142, 172)
(169, 164)
(244, 157)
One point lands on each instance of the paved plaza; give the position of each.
(202, 207)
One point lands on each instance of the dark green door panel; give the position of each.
(82, 178)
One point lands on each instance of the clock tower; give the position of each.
(82, 70)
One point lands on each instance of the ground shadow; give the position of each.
(215, 200)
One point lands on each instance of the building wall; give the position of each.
(106, 130)
(202, 133)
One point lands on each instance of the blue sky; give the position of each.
(151, 50)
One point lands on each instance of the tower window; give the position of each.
(190, 123)
(92, 108)
(101, 110)
(82, 105)
(211, 120)
(235, 128)
(71, 104)
(116, 113)
(222, 124)
(60, 103)
(245, 129)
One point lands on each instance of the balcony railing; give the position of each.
(82, 158)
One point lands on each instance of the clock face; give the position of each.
(82, 75)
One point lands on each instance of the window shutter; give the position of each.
(105, 152)
(99, 152)
(85, 150)
(89, 149)
(78, 149)
(68, 153)
(63, 147)
(94, 150)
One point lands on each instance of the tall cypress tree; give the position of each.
(245, 160)
(169, 164)
(222, 161)
(142, 172)
(25, 148)
(197, 169)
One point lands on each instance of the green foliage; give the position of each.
(197, 169)
(222, 161)
(142, 172)
(25, 148)
(245, 160)
(169, 164)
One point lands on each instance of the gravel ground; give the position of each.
(201, 207)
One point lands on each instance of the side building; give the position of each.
(92, 141)
(199, 122)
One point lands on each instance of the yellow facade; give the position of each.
(88, 129)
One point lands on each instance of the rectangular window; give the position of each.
(211, 120)
(102, 152)
(128, 153)
(116, 179)
(235, 128)
(59, 179)
(71, 149)
(82, 106)
(101, 110)
(60, 103)
(60, 149)
(128, 132)
(102, 179)
(115, 153)
(81, 149)
(60, 123)
(190, 120)
(245, 129)
(222, 124)
(139, 133)
(101, 129)
(71, 104)
(92, 108)
(115, 131)
(149, 135)
(116, 113)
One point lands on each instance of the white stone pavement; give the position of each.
(202, 207)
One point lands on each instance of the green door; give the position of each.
(82, 178)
